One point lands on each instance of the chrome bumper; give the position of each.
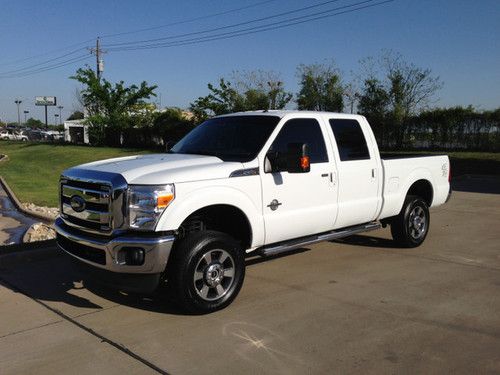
(156, 249)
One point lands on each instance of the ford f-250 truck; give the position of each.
(254, 182)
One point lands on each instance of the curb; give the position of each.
(45, 218)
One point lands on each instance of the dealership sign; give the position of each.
(45, 100)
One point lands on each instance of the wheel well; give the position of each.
(422, 189)
(223, 218)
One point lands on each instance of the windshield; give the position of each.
(235, 138)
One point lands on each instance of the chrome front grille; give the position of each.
(92, 201)
(94, 212)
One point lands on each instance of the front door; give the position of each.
(299, 204)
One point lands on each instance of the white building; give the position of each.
(75, 131)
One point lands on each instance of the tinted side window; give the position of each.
(302, 131)
(350, 140)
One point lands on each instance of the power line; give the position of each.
(129, 46)
(50, 67)
(45, 53)
(42, 63)
(258, 29)
(189, 20)
(86, 42)
(227, 26)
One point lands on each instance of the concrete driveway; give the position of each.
(359, 305)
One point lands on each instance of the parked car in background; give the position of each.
(53, 136)
(13, 135)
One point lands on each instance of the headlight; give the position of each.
(146, 204)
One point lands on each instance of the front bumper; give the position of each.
(107, 253)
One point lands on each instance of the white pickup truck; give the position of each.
(247, 183)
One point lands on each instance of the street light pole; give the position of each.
(18, 102)
(55, 119)
(60, 114)
(25, 113)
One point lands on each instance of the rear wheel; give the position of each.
(411, 226)
(206, 271)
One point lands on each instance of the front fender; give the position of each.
(196, 199)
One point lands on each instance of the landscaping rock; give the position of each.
(47, 211)
(39, 232)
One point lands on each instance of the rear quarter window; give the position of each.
(350, 139)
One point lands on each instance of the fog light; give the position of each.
(131, 256)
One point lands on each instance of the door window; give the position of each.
(350, 140)
(299, 131)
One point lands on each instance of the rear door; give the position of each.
(358, 173)
(299, 204)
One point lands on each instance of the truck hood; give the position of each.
(158, 169)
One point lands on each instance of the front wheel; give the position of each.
(411, 226)
(206, 271)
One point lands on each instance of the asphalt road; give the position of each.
(359, 305)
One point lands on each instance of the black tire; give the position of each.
(408, 230)
(201, 253)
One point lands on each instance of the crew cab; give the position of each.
(247, 183)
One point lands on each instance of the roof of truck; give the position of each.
(281, 113)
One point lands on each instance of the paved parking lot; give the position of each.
(354, 306)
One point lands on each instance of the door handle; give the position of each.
(325, 175)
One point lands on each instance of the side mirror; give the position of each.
(297, 158)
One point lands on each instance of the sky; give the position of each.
(457, 39)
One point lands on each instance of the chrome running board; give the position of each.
(284, 246)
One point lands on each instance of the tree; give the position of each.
(252, 91)
(264, 82)
(34, 124)
(373, 103)
(76, 115)
(404, 88)
(320, 88)
(109, 106)
(171, 125)
(221, 100)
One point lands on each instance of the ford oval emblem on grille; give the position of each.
(77, 203)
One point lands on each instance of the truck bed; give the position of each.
(401, 170)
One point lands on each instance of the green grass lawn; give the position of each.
(33, 169)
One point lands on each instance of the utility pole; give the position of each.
(98, 52)
(18, 102)
(60, 114)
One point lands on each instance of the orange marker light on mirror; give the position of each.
(304, 162)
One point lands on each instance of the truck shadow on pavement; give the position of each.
(368, 241)
(54, 280)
